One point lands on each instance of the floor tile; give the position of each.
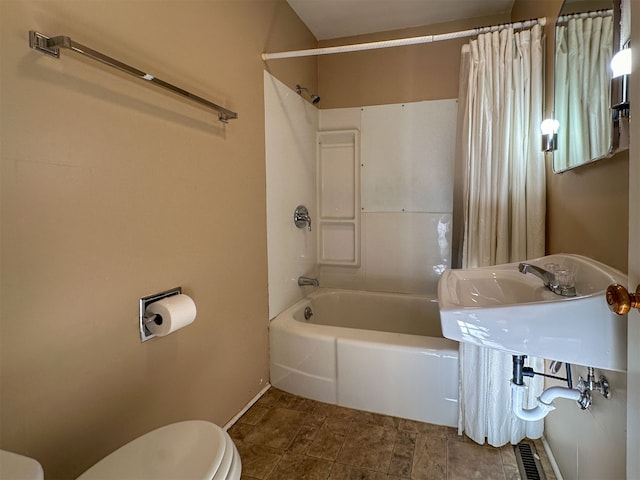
(239, 431)
(334, 411)
(467, 461)
(254, 415)
(315, 419)
(368, 446)
(284, 437)
(420, 427)
(257, 461)
(511, 473)
(452, 432)
(347, 472)
(369, 418)
(401, 460)
(293, 402)
(329, 439)
(508, 456)
(277, 428)
(303, 440)
(294, 466)
(270, 398)
(429, 458)
(407, 439)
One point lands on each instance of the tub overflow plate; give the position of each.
(308, 313)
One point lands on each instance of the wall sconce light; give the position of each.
(549, 128)
(621, 69)
(621, 63)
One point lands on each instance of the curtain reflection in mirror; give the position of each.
(584, 48)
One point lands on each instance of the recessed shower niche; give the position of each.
(338, 187)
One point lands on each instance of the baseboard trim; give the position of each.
(552, 459)
(247, 407)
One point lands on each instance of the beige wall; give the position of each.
(112, 190)
(394, 75)
(588, 211)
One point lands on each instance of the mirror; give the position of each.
(586, 38)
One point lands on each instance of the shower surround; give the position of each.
(403, 182)
(406, 191)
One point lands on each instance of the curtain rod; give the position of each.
(594, 14)
(402, 41)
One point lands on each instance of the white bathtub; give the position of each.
(378, 352)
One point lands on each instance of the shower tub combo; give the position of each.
(378, 352)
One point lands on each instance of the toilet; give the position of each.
(189, 450)
(18, 467)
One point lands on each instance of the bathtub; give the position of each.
(378, 352)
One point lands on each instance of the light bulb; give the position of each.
(621, 63)
(549, 126)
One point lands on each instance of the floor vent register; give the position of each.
(529, 461)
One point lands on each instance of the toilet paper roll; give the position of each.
(171, 314)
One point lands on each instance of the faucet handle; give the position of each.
(301, 217)
(565, 278)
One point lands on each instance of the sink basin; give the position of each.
(499, 307)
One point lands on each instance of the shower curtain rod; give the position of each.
(402, 41)
(594, 14)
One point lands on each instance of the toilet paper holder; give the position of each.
(145, 334)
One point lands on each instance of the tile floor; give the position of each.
(286, 437)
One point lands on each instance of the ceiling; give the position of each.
(342, 18)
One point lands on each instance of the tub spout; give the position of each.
(302, 281)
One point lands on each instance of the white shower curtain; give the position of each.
(584, 47)
(503, 172)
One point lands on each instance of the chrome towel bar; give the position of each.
(51, 46)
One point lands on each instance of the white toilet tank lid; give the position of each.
(190, 450)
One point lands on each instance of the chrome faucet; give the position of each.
(302, 281)
(549, 280)
(547, 277)
(301, 217)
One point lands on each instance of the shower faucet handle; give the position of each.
(301, 217)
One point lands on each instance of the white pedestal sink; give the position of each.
(499, 307)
